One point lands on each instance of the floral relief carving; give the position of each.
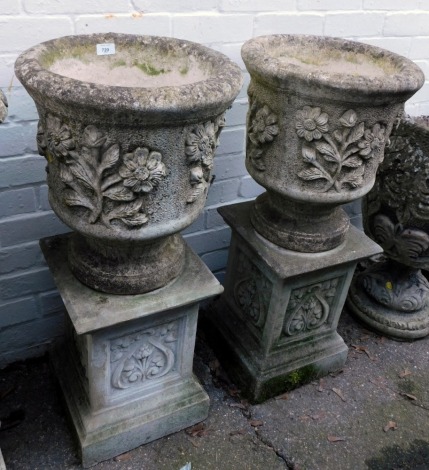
(143, 356)
(97, 176)
(262, 130)
(309, 307)
(252, 291)
(200, 146)
(336, 159)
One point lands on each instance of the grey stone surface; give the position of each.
(392, 295)
(108, 309)
(130, 139)
(320, 113)
(274, 328)
(125, 367)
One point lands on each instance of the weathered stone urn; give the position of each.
(3, 106)
(321, 111)
(392, 296)
(130, 138)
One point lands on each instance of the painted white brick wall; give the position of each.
(30, 307)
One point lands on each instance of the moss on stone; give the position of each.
(287, 382)
(149, 69)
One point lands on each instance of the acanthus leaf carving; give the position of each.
(252, 292)
(337, 158)
(309, 307)
(143, 356)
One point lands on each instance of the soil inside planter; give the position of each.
(337, 62)
(130, 71)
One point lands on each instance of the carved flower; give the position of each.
(92, 137)
(142, 170)
(372, 141)
(145, 351)
(201, 144)
(311, 123)
(264, 126)
(58, 137)
(349, 118)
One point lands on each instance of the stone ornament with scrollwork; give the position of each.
(392, 295)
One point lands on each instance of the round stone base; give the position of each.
(402, 326)
(126, 268)
(299, 226)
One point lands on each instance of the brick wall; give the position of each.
(30, 308)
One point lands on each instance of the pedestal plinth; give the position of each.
(126, 366)
(275, 325)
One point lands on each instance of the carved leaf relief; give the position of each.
(252, 292)
(200, 147)
(143, 356)
(309, 307)
(336, 159)
(97, 176)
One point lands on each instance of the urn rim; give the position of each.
(173, 103)
(280, 61)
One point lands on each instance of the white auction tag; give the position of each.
(106, 49)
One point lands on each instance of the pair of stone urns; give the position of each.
(130, 136)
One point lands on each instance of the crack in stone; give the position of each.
(290, 464)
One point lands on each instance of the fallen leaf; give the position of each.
(123, 457)
(363, 349)
(404, 373)
(335, 438)
(194, 442)
(318, 416)
(238, 405)
(391, 425)
(283, 396)
(408, 395)
(239, 431)
(256, 422)
(199, 430)
(339, 393)
(321, 382)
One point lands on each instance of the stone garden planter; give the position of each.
(130, 139)
(321, 111)
(392, 296)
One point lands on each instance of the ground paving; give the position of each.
(374, 414)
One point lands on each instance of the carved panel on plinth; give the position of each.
(310, 307)
(141, 358)
(252, 292)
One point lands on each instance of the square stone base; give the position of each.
(275, 325)
(125, 367)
